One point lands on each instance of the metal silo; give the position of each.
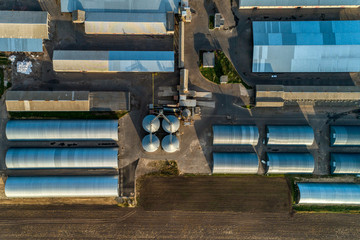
(172, 126)
(289, 135)
(329, 193)
(64, 186)
(51, 130)
(236, 163)
(170, 143)
(21, 158)
(286, 163)
(345, 135)
(150, 143)
(235, 135)
(345, 163)
(151, 123)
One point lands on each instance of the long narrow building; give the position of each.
(248, 4)
(235, 163)
(306, 46)
(345, 163)
(290, 163)
(345, 135)
(289, 135)
(235, 135)
(113, 61)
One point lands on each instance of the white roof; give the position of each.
(297, 3)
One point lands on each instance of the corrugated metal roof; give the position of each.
(329, 193)
(64, 186)
(236, 163)
(21, 45)
(125, 23)
(23, 24)
(113, 61)
(306, 46)
(345, 135)
(298, 3)
(120, 6)
(47, 95)
(290, 163)
(289, 135)
(345, 163)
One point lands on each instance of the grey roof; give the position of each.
(306, 46)
(235, 135)
(345, 135)
(298, 3)
(125, 23)
(23, 24)
(64, 186)
(120, 5)
(47, 95)
(329, 193)
(345, 163)
(289, 135)
(208, 59)
(21, 45)
(290, 163)
(236, 163)
(41, 158)
(113, 61)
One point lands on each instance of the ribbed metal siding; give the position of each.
(329, 193)
(242, 163)
(345, 163)
(20, 158)
(62, 130)
(345, 135)
(285, 163)
(21, 45)
(67, 186)
(290, 135)
(235, 135)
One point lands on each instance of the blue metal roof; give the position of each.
(21, 45)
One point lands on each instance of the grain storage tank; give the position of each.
(151, 143)
(171, 127)
(151, 123)
(170, 143)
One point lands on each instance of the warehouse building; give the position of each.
(306, 46)
(279, 95)
(235, 163)
(289, 135)
(235, 135)
(129, 23)
(113, 61)
(52, 130)
(128, 6)
(345, 163)
(345, 135)
(329, 193)
(248, 4)
(290, 163)
(64, 186)
(23, 31)
(52, 158)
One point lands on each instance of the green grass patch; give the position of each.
(67, 115)
(327, 209)
(211, 22)
(222, 67)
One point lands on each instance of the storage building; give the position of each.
(290, 163)
(23, 31)
(248, 4)
(113, 61)
(64, 186)
(289, 135)
(306, 46)
(329, 193)
(41, 158)
(51, 130)
(235, 135)
(345, 135)
(235, 163)
(345, 163)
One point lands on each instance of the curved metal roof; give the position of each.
(62, 130)
(170, 146)
(289, 135)
(345, 163)
(20, 158)
(329, 193)
(151, 146)
(235, 135)
(345, 135)
(65, 186)
(151, 125)
(173, 126)
(285, 163)
(236, 163)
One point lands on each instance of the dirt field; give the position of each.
(215, 193)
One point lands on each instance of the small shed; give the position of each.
(208, 59)
(78, 16)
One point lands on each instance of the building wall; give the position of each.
(52, 106)
(246, 4)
